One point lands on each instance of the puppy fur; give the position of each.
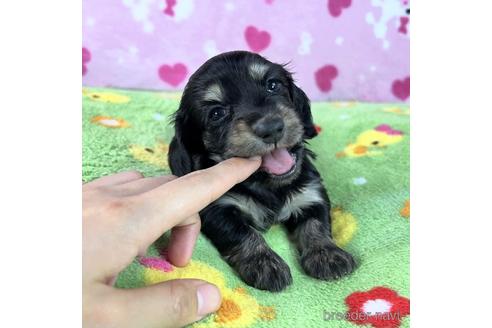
(225, 108)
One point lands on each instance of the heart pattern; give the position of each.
(151, 33)
(86, 57)
(325, 76)
(257, 40)
(388, 130)
(173, 75)
(403, 25)
(401, 88)
(335, 7)
(169, 10)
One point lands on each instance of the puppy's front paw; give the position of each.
(265, 270)
(327, 262)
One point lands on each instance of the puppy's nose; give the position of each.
(269, 129)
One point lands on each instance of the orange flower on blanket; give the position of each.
(405, 211)
(238, 309)
(380, 307)
(110, 122)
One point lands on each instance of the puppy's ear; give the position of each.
(179, 156)
(302, 104)
(179, 159)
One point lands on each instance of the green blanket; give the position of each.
(363, 157)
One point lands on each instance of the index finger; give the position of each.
(168, 205)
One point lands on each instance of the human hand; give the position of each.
(123, 214)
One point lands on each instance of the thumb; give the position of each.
(173, 303)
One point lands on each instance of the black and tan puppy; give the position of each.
(239, 104)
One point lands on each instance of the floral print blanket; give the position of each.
(363, 156)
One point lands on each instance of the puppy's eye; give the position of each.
(273, 85)
(217, 113)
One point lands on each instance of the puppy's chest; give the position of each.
(263, 213)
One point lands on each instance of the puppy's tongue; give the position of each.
(277, 162)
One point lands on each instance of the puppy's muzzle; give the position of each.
(269, 129)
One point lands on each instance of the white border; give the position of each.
(40, 136)
(451, 152)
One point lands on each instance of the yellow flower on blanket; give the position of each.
(396, 110)
(110, 122)
(156, 155)
(344, 104)
(170, 95)
(343, 226)
(238, 308)
(371, 142)
(106, 97)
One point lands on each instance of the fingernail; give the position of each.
(209, 299)
(255, 158)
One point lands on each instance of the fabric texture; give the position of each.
(363, 157)
(340, 49)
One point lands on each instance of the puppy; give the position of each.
(238, 104)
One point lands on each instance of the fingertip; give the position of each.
(247, 163)
(208, 299)
(237, 168)
(182, 242)
(255, 158)
(177, 258)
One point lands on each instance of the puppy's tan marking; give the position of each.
(257, 70)
(258, 264)
(243, 143)
(307, 196)
(293, 126)
(248, 206)
(213, 93)
(319, 256)
(252, 245)
(311, 233)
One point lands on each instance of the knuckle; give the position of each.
(198, 222)
(184, 301)
(116, 205)
(135, 174)
(99, 313)
(118, 208)
(171, 177)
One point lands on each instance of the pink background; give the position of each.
(338, 49)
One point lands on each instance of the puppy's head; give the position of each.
(238, 104)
